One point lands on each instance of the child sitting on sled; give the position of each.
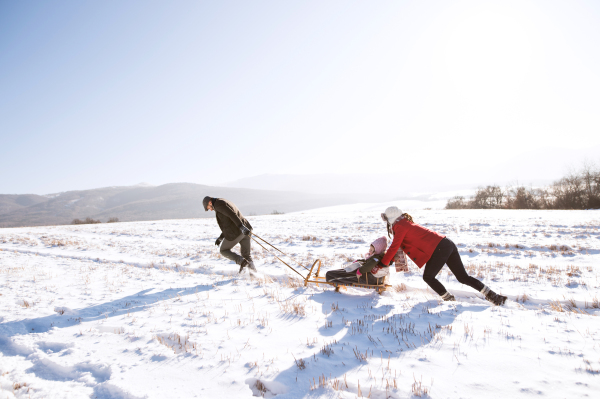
(366, 271)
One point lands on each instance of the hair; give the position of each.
(403, 216)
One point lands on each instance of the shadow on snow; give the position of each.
(373, 331)
(129, 304)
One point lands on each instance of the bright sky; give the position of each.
(103, 93)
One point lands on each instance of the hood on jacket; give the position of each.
(380, 245)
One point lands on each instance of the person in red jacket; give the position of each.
(432, 250)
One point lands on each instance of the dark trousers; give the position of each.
(244, 242)
(342, 277)
(447, 253)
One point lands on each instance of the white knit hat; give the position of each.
(392, 213)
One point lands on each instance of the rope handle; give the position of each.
(281, 260)
(272, 246)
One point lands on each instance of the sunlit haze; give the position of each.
(100, 94)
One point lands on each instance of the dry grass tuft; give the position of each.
(360, 356)
(588, 367)
(177, 343)
(324, 382)
(570, 306)
(300, 363)
(400, 288)
(261, 388)
(327, 350)
(556, 306)
(18, 385)
(523, 298)
(293, 307)
(418, 389)
(292, 282)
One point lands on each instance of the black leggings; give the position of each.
(447, 253)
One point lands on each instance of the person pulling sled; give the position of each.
(235, 229)
(432, 250)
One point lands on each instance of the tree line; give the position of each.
(89, 220)
(577, 190)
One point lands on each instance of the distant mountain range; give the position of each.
(143, 202)
(537, 168)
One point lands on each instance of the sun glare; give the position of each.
(487, 54)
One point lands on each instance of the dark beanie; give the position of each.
(205, 202)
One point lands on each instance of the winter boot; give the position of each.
(243, 265)
(251, 267)
(491, 296)
(448, 297)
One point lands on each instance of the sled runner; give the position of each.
(316, 279)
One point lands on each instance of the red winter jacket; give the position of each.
(417, 242)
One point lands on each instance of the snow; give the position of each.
(151, 310)
(70, 203)
(405, 205)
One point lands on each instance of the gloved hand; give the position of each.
(358, 273)
(219, 241)
(245, 230)
(380, 264)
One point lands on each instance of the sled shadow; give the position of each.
(334, 304)
(373, 330)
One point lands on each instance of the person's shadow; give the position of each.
(372, 331)
(67, 317)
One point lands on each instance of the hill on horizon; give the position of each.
(143, 202)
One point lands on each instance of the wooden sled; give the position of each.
(380, 288)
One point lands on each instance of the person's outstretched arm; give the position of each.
(369, 264)
(399, 234)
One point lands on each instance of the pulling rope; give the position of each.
(265, 241)
(281, 260)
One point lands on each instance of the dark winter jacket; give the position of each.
(369, 264)
(229, 218)
(417, 242)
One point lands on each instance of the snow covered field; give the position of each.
(150, 309)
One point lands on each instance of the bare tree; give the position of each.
(457, 202)
(578, 190)
(523, 198)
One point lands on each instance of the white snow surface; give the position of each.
(151, 310)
